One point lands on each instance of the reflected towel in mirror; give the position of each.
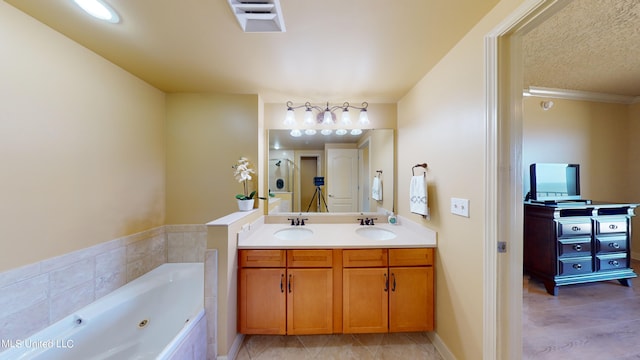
(376, 189)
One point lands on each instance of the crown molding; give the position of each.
(579, 95)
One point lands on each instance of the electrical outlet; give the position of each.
(460, 207)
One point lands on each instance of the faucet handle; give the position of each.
(293, 221)
(302, 221)
(372, 221)
(361, 221)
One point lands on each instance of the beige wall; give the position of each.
(591, 134)
(633, 190)
(81, 146)
(206, 135)
(441, 121)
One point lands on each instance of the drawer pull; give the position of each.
(281, 283)
(386, 283)
(577, 247)
(613, 227)
(614, 245)
(394, 282)
(614, 263)
(290, 281)
(575, 228)
(577, 266)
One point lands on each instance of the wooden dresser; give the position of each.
(577, 242)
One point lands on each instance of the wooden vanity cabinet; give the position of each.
(262, 297)
(309, 292)
(411, 291)
(388, 290)
(324, 291)
(365, 291)
(285, 292)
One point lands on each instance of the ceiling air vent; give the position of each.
(258, 15)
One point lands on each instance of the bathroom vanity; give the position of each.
(336, 278)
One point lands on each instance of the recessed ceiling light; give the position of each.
(99, 10)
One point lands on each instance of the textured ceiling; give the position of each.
(333, 50)
(588, 45)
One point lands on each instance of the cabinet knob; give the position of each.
(577, 247)
(613, 226)
(614, 263)
(575, 228)
(577, 266)
(614, 245)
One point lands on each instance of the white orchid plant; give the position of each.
(242, 173)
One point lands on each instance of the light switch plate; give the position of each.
(460, 207)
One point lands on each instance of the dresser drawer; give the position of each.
(611, 243)
(262, 258)
(365, 258)
(575, 266)
(611, 262)
(574, 228)
(618, 225)
(574, 247)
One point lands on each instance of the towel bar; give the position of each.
(423, 165)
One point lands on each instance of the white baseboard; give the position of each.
(235, 348)
(441, 346)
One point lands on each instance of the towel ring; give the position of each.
(423, 165)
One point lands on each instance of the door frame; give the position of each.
(502, 328)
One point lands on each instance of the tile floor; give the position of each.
(586, 321)
(334, 347)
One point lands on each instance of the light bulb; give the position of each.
(295, 133)
(310, 132)
(290, 119)
(308, 118)
(326, 132)
(355, 132)
(328, 119)
(364, 117)
(346, 118)
(341, 132)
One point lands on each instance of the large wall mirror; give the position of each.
(331, 173)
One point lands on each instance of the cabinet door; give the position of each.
(309, 301)
(262, 301)
(410, 299)
(365, 302)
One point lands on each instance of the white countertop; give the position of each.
(337, 236)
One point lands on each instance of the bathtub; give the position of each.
(159, 315)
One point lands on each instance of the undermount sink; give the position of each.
(293, 233)
(374, 233)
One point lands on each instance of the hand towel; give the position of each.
(418, 200)
(376, 189)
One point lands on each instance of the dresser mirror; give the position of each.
(331, 173)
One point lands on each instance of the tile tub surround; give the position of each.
(35, 296)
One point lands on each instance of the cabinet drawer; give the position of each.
(309, 258)
(611, 243)
(574, 228)
(575, 266)
(364, 258)
(262, 258)
(611, 262)
(410, 257)
(574, 247)
(611, 226)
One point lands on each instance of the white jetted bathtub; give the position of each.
(159, 315)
